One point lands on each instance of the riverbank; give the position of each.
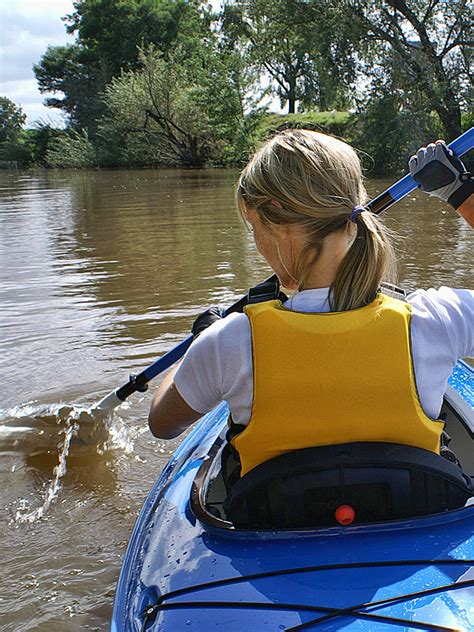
(384, 146)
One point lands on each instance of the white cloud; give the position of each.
(21, 90)
(27, 28)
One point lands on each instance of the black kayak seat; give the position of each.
(380, 481)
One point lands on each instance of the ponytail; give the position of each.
(369, 261)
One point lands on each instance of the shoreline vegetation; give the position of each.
(176, 83)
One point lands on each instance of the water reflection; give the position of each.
(121, 258)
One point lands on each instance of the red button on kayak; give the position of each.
(344, 514)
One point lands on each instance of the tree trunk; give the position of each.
(449, 112)
(192, 156)
(291, 101)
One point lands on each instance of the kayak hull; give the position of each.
(191, 575)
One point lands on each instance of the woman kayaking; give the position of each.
(360, 534)
(345, 359)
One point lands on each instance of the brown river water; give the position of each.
(101, 272)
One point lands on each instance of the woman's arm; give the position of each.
(169, 414)
(466, 210)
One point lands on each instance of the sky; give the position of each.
(27, 28)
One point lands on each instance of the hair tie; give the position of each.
(356, 211)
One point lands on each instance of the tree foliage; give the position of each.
(71, 150)
(183, 111)
(299, 46)
(12, 120)
(108, 36)
(75, 81)
(172, 82)
(388, 132)
(424, 46)
(39, 139)
(113, 30)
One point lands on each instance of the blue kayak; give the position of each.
(188, 567)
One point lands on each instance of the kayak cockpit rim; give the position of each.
(207, 476)
(200, 486)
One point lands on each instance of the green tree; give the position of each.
(108, 36)
(76, 82)
(387, 131)
(307, 60)
(112, 30)
(429, 42)
(12, 121)
(187, 111)
(12, 142)
(39, 139)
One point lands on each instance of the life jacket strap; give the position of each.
(267, 291)
(270, 290)
(230, 459)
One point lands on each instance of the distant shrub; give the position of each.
(334, 123)
(387, 133)
(72, 150)
(39, 139)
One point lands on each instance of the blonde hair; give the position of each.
(305, 178)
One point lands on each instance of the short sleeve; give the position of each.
(454, 310)
(217, 367)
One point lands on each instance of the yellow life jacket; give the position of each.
(330, 378)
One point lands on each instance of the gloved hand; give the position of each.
(439, 172)
(205, 319)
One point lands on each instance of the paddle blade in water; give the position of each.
(107, 404)
(38, 428)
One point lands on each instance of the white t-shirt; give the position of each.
(218, 365)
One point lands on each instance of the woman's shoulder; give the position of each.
(442, 299)
(444, 314)
(224, 333)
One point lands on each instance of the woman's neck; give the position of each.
(324, 270)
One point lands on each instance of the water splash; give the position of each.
(121, 437)
(37, 428)
(23, 515)
(33, 427)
